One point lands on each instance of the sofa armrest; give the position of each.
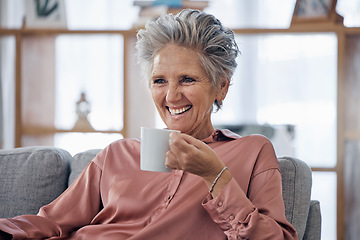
(313, 226)
(296, 184)
(30, 178)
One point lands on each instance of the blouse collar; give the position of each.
(221, 135)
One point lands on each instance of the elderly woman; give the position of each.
(222, 186)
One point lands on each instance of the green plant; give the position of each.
(42, 8)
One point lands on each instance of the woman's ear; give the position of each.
(223, 89)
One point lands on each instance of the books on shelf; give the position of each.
(196, 4)
(152, 9)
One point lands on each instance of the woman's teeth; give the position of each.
(178, 111)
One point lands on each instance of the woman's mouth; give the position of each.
(178, 111)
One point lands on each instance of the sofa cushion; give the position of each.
(80, 161)
(296, 185)
(30, 178)
(313, 226)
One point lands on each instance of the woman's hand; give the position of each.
(192, 155)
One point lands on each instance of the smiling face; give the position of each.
(182, 91)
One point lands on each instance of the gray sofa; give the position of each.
(31, 177)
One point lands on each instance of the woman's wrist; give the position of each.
(216, 184)
(216, 179)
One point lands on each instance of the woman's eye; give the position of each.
(188, 80)
(158, 81)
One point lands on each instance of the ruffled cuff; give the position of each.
(230, 208)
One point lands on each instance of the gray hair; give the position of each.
(196, 30)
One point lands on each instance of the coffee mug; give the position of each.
(153, 147)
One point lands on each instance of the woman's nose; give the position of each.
(173, 94)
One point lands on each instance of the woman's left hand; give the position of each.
(192, 155)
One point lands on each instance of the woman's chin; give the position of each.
(171, 127)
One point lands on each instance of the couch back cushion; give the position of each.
(31, 177)
(80, 161)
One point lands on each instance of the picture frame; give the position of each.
(309, 11)
(45, 14)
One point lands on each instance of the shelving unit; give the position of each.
(37, 46)
(348, 113)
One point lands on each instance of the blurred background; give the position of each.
(289, 84)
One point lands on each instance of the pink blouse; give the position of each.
(113, 199)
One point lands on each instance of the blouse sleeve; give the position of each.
(257, 214)
(71, 210)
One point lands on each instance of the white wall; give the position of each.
(140, 108)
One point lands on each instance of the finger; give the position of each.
(182, 143)
(171, 160)
(177, 144)
(209, 162)
(193, 141)
(180, 152)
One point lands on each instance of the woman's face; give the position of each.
(182, 91)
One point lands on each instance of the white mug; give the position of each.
(153, 147)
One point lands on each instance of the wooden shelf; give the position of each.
(25, 31)
(297, 28)
(6, 31)
(353, 30)
(38, 130)
(352, 135)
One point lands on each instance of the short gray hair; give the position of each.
(196, 30)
